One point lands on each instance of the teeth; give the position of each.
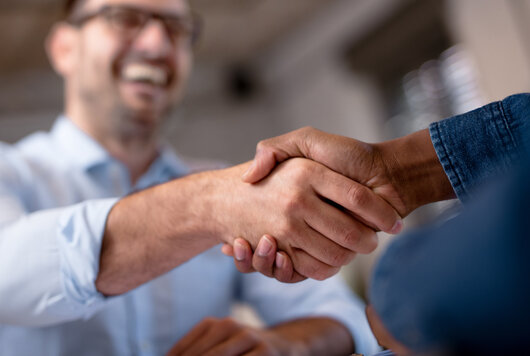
(145, 73)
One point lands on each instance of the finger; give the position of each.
(274, 264)
(190, 338)
(310, 267)
(344, 230)
(263, 259)
(218, 332)
(284, 270)
(243, 256)
(358, 199)
(228, 250)
(319, 246)
(238, 344)
(273, 151)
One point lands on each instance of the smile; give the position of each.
(145, 73)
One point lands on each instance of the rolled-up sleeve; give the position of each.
(277, 302)
(49, 262)
(477, 145)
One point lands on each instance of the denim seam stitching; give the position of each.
(446, 161)
(511, 145)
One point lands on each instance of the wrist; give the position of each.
(216, 197)
(415, 171)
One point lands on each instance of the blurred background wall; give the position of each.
(370, 69)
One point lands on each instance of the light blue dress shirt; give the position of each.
(56, 190)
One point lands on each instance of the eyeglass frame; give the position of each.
(196, 20)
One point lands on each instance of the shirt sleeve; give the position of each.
(479, 144)
(276, 302)
(49, 259)
(449, 288)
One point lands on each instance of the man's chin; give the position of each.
(141, 119)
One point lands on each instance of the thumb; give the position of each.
(264, 162)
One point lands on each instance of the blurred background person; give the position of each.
(85, 271)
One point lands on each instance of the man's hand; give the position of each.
(267, 260)
(293, 205)
(309, 336)
(319, 218)
(214, 337)
(405, 171)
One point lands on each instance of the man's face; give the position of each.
(133, 80)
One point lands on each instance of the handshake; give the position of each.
(324, 197)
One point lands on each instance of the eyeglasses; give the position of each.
(129, 21)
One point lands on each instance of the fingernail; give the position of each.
(239, 251)
(264, 247)
(398, 226)
(280, 260)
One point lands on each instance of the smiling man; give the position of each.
(85, 272)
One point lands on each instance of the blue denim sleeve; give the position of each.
(462, 288)
(481, 143)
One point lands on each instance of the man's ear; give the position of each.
(61, 48)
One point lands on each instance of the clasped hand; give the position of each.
(341, 201)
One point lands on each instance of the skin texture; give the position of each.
(319, 218)
(405, 172)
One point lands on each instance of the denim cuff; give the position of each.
(482, 143)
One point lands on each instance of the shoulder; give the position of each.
(22, 159)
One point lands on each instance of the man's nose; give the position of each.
(153, 38)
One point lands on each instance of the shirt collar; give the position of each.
(81, 150)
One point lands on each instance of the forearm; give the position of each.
(151, 232)
(415, 170)
(313, 336)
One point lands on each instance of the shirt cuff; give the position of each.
(481, 143)
(80, 234)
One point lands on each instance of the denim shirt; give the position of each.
(462, 287)
(480, 144)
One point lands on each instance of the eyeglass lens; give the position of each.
(130, 21)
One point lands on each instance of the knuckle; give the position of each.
(262, 145)
(357, 196)
(302, 168)
(352, 239)
(306, 130)
(294, 202)
(340, 258)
